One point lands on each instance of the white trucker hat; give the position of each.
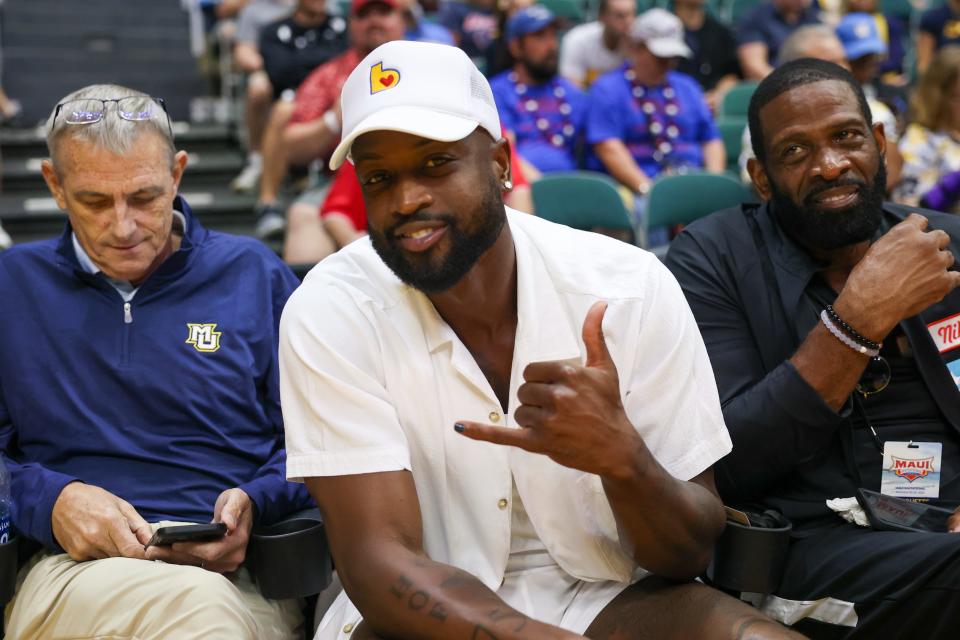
(429, 90)
(661, 32)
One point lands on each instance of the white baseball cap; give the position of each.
(426, 89)
(661, 32)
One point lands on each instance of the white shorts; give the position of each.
(548, 594)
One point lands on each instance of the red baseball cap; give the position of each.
(357, 5)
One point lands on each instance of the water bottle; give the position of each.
(6, 505)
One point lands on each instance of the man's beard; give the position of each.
(824, 229)
(466, 246)
(541, 72)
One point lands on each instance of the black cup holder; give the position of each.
(290, 558)
(750, 559)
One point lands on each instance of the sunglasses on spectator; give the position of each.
(875, 377)
(92, 110)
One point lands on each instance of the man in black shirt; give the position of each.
(832, 320)
(296, 45)
(713, 62)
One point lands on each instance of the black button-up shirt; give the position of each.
(751, 289)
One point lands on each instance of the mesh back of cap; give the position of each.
(479, 88)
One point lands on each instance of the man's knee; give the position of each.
(123, 596)
(300, 215)
(213, 589)
(759, 627)
(259, 89)
(658, 608)
(281, 113)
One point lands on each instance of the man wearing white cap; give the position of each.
(486, 467)
(644, 118)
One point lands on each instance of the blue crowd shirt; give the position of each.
(765, 24)
(943, 24)
(473, 27)
(546, 136)
(165, 400)
(614, 113)
(425, 31)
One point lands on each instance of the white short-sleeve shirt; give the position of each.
(583, 55)
(373, 380)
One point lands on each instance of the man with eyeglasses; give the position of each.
(832, 319)
(139, 385)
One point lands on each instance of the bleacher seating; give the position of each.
(731, 129)
(683, 198)
(737, 100)
(582, 200)
(51, 47)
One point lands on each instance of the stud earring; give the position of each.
(507, 185)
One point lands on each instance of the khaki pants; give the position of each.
(128, 599)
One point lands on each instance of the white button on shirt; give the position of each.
(373, 380)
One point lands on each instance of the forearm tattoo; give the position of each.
(419, 601)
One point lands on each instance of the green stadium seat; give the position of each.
(683, 198)
(737, 9)
(731, 129)
(572, 10)
(737, 100)
(582, 200)
(902, 8)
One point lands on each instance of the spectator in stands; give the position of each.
(865, 51)
(437, 535)
(137, 387)
(498, 58)
(214, 11)
(590, 50)
(944, 195)
(292, 49)
(314, 124)
(830, 316)
(713, 51)
(422, 30)
(219, 19)
(542, 112)
(10, 109)
(472, 23)
(929, 145)
(645, 119)
(939, 27)
(892, 31)
(764, 28)
(822, 43)
(259, 93)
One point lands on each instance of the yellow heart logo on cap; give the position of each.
(382, 79)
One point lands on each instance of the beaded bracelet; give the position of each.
(844, 338)
(851, 331)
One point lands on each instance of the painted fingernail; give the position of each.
(458, 427)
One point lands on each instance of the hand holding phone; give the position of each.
(187, 533)
(234, 512)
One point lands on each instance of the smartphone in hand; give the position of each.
(187, 533)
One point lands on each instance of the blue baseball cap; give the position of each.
(860, 37)
(529, 20)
